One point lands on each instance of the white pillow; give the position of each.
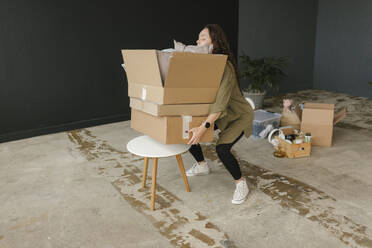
(180, 47)
(163, 61)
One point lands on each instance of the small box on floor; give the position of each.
(297, 147)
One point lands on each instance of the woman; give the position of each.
(230, 113)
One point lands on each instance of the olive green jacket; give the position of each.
(236, 113)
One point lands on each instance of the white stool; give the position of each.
(147, 147)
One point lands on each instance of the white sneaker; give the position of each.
(198, 169)
(241, 192)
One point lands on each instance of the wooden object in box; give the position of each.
(295, 150)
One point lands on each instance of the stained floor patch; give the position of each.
(177, 223)
(201, 236)
(180, 225)
(304, 200)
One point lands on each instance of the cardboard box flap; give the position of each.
(320, 117)
(319, 106)
(298, 111)
(142, 67)
(191, 70)
(339, 116)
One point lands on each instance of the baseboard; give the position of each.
(62, 128)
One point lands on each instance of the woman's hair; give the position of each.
(221, 45)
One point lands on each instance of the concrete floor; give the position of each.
(82, 189)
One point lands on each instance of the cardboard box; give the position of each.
(191, 77)
(294, 150)
(169, 109)
(319, 119)
(168, 129)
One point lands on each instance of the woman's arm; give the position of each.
(218, 108)
(197, 132)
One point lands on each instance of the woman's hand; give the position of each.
(197, 133)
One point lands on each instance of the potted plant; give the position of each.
(263, 74)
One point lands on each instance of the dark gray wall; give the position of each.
(60, 60)
(281, 28)
(343, 57)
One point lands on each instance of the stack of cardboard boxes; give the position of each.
(170, 93)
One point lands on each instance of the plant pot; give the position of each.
(257, 98)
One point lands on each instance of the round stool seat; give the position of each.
(146, 146)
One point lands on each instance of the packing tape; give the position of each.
(144, 93)
(186, 119)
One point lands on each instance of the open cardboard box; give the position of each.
(169, 109)
(191, 78)
(319, 119)
(168, 129)
(294, 150)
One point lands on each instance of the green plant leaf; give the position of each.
(263, 73)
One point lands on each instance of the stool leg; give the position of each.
(154, 170)
(144, 176)
(182, 170)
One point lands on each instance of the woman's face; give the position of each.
(204, 38)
